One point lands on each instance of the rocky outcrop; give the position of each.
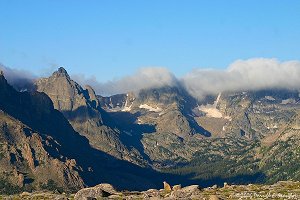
(99, 191)
(166, 109)
(280, 190)
(82, 109)
(40, 149)
(106, 190)
(27, 154)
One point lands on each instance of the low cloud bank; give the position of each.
(252, 74)
(19, 79)
(241, 75)
(144, 78)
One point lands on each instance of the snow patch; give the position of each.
(274, 127)
(270, 98)
(126, 107)
(211, 110)
(150, 108)
(287, 101)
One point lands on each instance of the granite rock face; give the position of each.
(82, 109)
(96, 192)
(27, 155)
(241, 132)
(39, 149)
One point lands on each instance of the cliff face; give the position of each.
(28, 157)
(40, 149)
(166, 110)
(82, 109)
(245, 133)
(69, 97)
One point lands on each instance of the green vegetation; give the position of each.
(51, 186)
(7, 188)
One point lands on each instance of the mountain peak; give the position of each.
(61, 72)
(2, 77)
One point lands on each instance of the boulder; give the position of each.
(176, 187)
(213, 197)
(115, 196)
(107, 188)
(191, 189)
(185, 192)
(101, 190)
(151, 193)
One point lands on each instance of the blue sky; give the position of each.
(111, 38)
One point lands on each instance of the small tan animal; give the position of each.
(167, 186)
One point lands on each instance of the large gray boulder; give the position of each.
(98, 191)
(186, 192)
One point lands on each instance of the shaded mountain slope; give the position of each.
(81, 108)
(59, 143)
(238, 137)
(245, 132)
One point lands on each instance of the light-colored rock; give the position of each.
(176, 187)
(191, 189)
(25, 194)
(101, 190)
(151, 193)
(213, 197)
(115, 196)
(107, 188)
(197, 196)
(186, 192)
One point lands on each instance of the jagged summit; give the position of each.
(61, 72)
(82, 108)
(3, 80)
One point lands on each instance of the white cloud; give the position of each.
(144, 78)
(19, 79)
(252, 74)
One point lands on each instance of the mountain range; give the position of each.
(59, 135)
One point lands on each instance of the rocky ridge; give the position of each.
(82, 109)
(28, 157)
(41, 150)
(236, 130)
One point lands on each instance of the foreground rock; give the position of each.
(280, 190)
(101, 190)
